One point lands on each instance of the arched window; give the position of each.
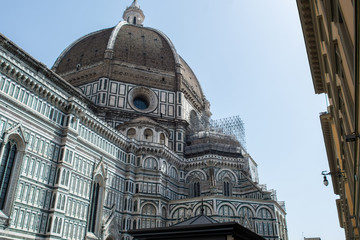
(163, 213)
(148, 134)
(150, 163)
(227, 188)
(6, 166)
(63, 203)
(226, 210)
(149, 214)
(125, 204)
(67, 178)
(58, 176)
(53, 201)
(135, 205)
(265, 223)
(63, 176)
(55, 225)
(95, 211)
(206, 210)
(49, 224)
(179, 214)
(196, 189)
(246, 217)
(124, 223)
(58, 206)
(162, 138)
(59, 226)
(131, 133)
(173, 173)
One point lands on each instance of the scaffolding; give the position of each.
(230, 126)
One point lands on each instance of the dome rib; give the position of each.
(114, 34)
(116, 31)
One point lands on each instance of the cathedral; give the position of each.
(118, 136)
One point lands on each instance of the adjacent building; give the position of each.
(331, 33)
(117, 136)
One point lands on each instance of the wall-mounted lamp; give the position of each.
(324, 173)
(352, 137)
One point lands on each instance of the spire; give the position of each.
(133, 14)
(135, 4)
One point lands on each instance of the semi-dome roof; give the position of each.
(129, 53)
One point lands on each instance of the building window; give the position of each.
(6, 166)
(141, 103)
(131, 133)
(148, 134)
(150, 163)
(179, 136)
(196, 189)
(227, 188)
(173, 173)
(94, 207)
(162, 138)
(246, 217)
(148, 216)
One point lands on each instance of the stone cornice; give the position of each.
(314, 56)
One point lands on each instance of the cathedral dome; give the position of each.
(130, 53)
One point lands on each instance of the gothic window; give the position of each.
(226, 188)
(53, 201)
(6, 166)
(94, 207)
(125, 203)
(49, 224)
(55, 225)
(196, 189)
(63, 203)
(135, 205)
(124, 223)
(67, 178)
(58, 206)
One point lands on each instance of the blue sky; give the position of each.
(250, 59)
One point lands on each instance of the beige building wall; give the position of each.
(331, 37)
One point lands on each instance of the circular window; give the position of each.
(142, 99)
(141, 103)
